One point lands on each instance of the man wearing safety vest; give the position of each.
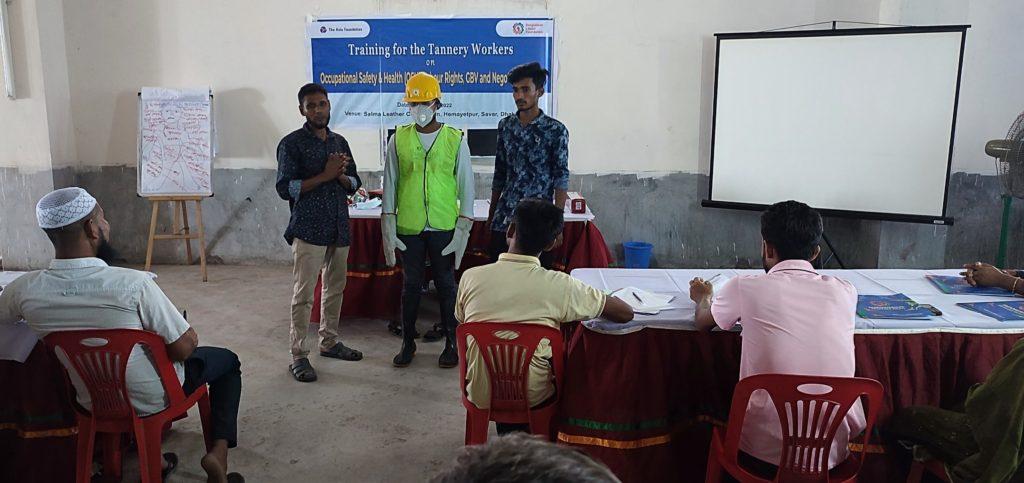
(427, 210)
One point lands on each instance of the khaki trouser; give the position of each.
(309, 260)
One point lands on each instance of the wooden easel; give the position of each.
(181, 230)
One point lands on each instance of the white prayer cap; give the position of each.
(64, 207)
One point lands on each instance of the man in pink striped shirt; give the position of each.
(795, 321)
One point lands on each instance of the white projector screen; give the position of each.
(855, 122)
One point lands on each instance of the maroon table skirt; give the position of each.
(373, 290)
(644, 403)
(37, 422)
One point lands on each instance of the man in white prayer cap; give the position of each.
(80, 292)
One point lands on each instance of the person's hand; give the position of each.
(700, 290)
(345, 161)
(985, 275)
(334, 168)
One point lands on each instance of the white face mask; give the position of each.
(421, 114)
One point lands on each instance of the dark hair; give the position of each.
(538, 223)
(311, 88)
(793, 228)
(519, 457)
(533, 70)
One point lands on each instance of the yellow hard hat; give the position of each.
(421, 87)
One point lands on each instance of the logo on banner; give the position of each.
(323, 30)
(518, 28)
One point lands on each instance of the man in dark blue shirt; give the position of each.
(316, 173)
(532, 155)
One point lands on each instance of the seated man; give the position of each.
(79, 292)
(982, 442)
(527, 459)
(517, 289)
(985, 275)
(794, 320)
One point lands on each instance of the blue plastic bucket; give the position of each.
(638, 254)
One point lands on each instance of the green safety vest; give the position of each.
(427, 191)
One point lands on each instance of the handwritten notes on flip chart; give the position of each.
(175, 142)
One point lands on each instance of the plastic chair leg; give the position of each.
(110, 446)
(149, 433)
(540, 423)
(206, 415)
(916, 472)
(83, 460)
(714, 469)
(477, 423)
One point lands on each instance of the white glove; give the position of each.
(390, 236)
(459, 240)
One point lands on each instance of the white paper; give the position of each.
(644, 302)
(175, 142)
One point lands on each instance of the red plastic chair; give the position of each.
(807, 432)
(507, 362)
(100, 358)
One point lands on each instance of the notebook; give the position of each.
(896, 306)
(1001, 311)
(951, 284)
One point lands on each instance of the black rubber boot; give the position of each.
(404, 358)
(434, 334)
(450, 355)
(396, 328)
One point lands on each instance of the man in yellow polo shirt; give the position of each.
(427, 210)
(518, 289)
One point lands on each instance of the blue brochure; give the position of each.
(955, 285)
(1001, 311)
(896, 306)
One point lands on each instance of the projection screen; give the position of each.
(854, 122)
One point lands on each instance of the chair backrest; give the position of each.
(508, 359)
(100, 358)
(810, 409)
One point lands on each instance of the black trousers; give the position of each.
(418, 248)
(219, 368)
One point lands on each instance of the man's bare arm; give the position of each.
(182, 348)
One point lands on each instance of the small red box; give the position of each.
(577, 204)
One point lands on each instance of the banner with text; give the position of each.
(364, 63)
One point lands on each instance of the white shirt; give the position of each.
(463, 175)
(85, 293)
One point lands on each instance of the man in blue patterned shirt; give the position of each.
(532, 155)
(316, 173)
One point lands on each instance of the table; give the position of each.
(37, 422)
(373, 290)
(644, 399)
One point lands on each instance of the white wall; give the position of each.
(992, 84)
(24, 138)
(632, 75)
(635, 78)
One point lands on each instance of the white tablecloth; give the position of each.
(480, 210)
(911, 283)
